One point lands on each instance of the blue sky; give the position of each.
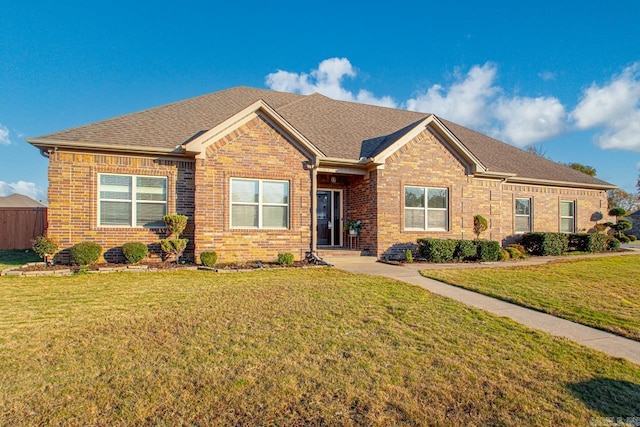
(564, 75)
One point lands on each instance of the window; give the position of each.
(257, 203)
(523, 215)
(131, 201)
(567, 216)
(425, 208)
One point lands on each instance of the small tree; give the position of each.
(480, 225)
(44, 247)
(173, 245)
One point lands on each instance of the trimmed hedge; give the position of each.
(465, 250)
(209, 259)
(134, 252)
(546, 243)
(437, 250)
(488, 250)
(613, 244)
(595, 242)
(85, 253)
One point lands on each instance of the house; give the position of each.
(261, 172)
(635, 223)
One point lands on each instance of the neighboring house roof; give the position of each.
(19, 201)
(338, 129)
(636, 214)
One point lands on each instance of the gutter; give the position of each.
(46, 144)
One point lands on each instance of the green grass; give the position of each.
(294, 347)
(600, 292)
(13, 258)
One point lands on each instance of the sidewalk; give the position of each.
(590, 337)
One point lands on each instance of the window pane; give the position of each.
(414, 218)
(523, 206)
(437, 219)
(566, 208)
(115, 187)
(275, 192)
(244, 216)
(437, 198)
(522, 224)
(244, 191)
(566, 225)
(414, 197)
(151, 189)
(150, 214)
(274, 217)
(115, 213)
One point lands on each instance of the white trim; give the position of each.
(516, 215)
(573, 217)
(425, 209)
(260, 204)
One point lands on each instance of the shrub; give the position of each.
(546, 243)
(632, 237)
(437, 250)
(515, 252)
(285, 259)
(408, 256)
(618, 212)
(480, 225)
(44, 247)
(85, 253)
(175, 224)
(504, 255)
(465, 250)
(488, 250)
(594, 242)
(613, 244)
(623, 238)
(208, 259)
(134, 252)
(173, 247)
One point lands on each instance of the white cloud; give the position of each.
(327, 79)
(22, 187)
(524, 121)
(4, 136)
(547, 75)
(465, 101)
(614, 107)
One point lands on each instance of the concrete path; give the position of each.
(590, 337)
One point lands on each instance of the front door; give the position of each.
(328, 215)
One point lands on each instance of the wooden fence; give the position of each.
(19, 226)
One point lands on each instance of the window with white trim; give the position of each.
(567, 216)
(426, 208)
(131, 200)
(523, 215)
(259, 203)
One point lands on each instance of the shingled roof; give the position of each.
(19, 201)
(338, 129)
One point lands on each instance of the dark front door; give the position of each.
(328, 212)
(324, 217)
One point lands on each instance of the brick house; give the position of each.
(260, 172)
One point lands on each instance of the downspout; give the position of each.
(314, 208)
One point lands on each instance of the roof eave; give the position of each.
(46, 143)
(554, 183)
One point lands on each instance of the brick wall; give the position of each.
(426, 162)
(73, 200)
(254, 150)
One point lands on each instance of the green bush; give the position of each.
(175, 224)
(408, 256)
(623, 238)
(594, 242)
(173, 247)
(514, 252)
(546, 243)
(285, 259)
(504, 255)
(488, 250)
(480, 224)
(209, 258)
(465, 250)
(85, 253)
(44, 247)
(632, 237)
(613, 244)
(134, 252)
(437, 250)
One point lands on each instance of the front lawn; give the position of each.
(294, 347)
(600, 292)
(15, 258)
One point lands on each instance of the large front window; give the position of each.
(257, 203)
(425, 208)
(567, 216)
(523, 215)
(131, 200)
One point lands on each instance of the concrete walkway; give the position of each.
(594, 338)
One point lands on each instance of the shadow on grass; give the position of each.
(611, 398)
